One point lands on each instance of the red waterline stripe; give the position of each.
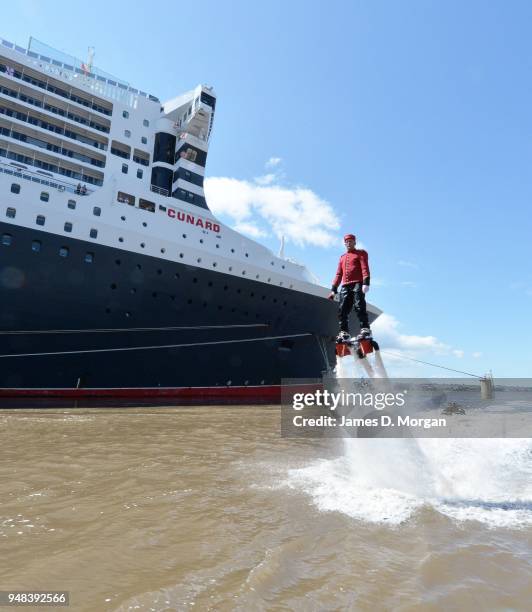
(261, 393)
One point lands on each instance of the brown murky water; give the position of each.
(210, 509)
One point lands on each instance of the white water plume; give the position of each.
(387, 480)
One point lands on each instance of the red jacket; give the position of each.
(353, 267)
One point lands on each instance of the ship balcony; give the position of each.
(35, 138)
(27, 99)
(74, 134)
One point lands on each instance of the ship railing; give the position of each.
(50, 60)
(160, 190)
(29, 175)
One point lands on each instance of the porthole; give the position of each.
(125, 114)
(269, 279)
(247, 254)
(159, 271)
(128, 314)
(163, 250)
(282, 267)
(68, 227)
(181, 255)
(15, 188)
(217, 246)
(209, 284)
(97, 211)
(72, 204)
(194, 280)
(107, 310)
(40, 220)
(127, 133)
(258, 276)
(36, 246)
(113, 286)
(243, 272)
(201, 240)
(142, 245)
(220, 307)
(272, 263)
(280, 283)
(275, 300)
(139, 267)
(123, 218)
(199, 259)
(230, 269)
(184, 235)
(11, 213)
(118, 262)
(232, 250)
(133, 291)
(154, 294)
(176, 275)
(89, 257)
(204, 304)
(63, 251)
(45, 196)
(189, 301)
(239, 290)
(226, 287)
(214, 264)
(144, 224)
(93, 233)
(7, 239)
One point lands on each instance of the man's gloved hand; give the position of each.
(365, 288)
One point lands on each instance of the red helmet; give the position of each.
(350, 237)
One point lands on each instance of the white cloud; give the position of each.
(408, 284)
(298, 213)
(407, 264)
(399, 349)
(477, 354)
(272, 162)
(267, 179)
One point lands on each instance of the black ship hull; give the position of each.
(232, 332)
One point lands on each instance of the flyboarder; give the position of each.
(353, 275)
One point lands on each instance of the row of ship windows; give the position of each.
(53, 109)
(42, 144)
(30, 161)
(45, 197)
(64, 251)
(125, 170)
(97, 211)
(36, 246)
(93, 233)
(145, 122)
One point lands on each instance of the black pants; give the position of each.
(352, 295)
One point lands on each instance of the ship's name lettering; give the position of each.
(193, 220)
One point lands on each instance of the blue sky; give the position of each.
(406, 123)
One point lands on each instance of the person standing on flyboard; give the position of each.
(353, 275)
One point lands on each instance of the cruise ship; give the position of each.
(115, 277)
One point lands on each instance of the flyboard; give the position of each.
(362, 347)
